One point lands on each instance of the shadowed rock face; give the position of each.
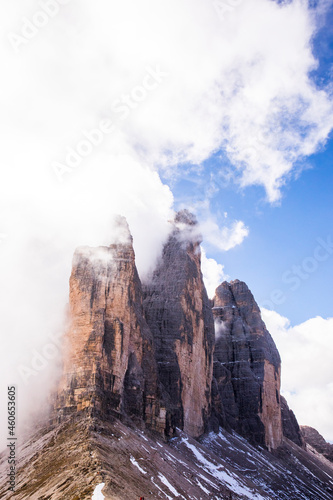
(246, 367)
(109, 362)
(178, 312)
(290, 425)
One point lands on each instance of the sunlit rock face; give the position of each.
(109, 362)
(178, 312)
(246, 367)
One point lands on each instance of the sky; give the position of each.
(146, 107)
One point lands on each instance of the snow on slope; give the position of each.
(225, 477)
(134, 462)
(168, 485)
(98, 495)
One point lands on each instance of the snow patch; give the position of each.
(168, 485)
(202, 487)
(157, 486)
(208, 481)
(98, 495)
(221, 475)
(134, 462)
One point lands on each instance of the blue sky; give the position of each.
(282, 234)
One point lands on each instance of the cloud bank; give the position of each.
(179, 81)
(307, 372)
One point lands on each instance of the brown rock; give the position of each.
(109, 362)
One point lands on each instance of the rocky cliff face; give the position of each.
(178, 312)
(246, 367)
(109, 363)
(152, 363)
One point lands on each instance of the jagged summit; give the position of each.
(152, 354)
(120, 231)
(185, 217)
(185, 228)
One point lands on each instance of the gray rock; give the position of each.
(291, 429)
(246, 367)
(178, 313)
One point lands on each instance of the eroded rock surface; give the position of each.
(140, 365)
(147, 353)
(68, 461)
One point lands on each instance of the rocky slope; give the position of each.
(312, 438)
(70, 460)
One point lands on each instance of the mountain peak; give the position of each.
(185, 217)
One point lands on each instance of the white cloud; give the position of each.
(240, 84)
(224, 238)
(213, 273)
(307, 370)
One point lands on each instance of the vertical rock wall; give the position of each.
(178, 312)
(291, 429)
(246, 366)
(109, 362)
